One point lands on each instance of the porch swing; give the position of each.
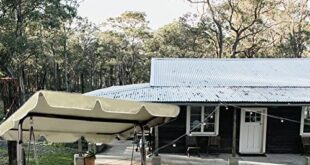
(65, 117)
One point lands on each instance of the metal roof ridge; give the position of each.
(230, 86)
(232, 59)
(121, 88)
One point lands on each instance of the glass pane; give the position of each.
(195, 119)
(209, 119)
(258, 117)
(247, 117)
(307, 119)
(252, 115)
(209, 127)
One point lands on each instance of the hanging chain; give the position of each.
(32, 137)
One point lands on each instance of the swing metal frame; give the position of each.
(20, 155)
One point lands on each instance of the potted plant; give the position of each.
(90, 157)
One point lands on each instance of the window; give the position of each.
(305, 121)
(202, 120)
(252, 117)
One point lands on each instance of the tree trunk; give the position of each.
(58, 86)
(111, 76)
(235, 45)
(82, 83)
(10, 97)
(22, 87)
(66, 65)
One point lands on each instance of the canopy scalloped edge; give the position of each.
(73, 107)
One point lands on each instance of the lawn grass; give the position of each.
(47, 154)
(52, 159)
(3, 156)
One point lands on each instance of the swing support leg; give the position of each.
(19, 146)
(142, 149)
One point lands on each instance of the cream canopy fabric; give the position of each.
(65, 117)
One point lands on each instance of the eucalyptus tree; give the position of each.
(294, 27)
(22, 26)
(257, 28)
(182, 38)
(85, 61)
(124, 37)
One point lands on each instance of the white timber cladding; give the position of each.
(230, 72)
(305, 121)
(203, 120)
(253, 126)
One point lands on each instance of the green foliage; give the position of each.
(51, 47)
(180, 39)
(4, 156)
(55, 158)
(1, 74)
(47, 155)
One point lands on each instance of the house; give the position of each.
(269, 98)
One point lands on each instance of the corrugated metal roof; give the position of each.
(145, 92)
(230, 72)
(220, 80)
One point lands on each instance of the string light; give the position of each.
(226, 107)
(174, 145)
(190, 134)
(268, 115)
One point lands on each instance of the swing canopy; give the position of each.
(66, 117)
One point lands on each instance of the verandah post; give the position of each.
(156, 141)
(233, 160)
(234, 133)
(156, 160)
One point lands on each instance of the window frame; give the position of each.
(302, 133)
(216, 121)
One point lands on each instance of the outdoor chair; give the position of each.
(214, 144)
(306, 145)
(192, 145)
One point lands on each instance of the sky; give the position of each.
(159, 12)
